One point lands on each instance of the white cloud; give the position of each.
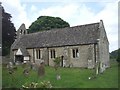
(17, 12)
(81, 14)
(65, 11)
(73, 13)
(33, 8)
(110, 16)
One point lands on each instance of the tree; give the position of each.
(114, 54)
(46, 23)
(118, 56)
(57, 61)
(8, 32)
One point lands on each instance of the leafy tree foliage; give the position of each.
(115, 55)
(8, 32)
(118, 57)
(46, 23)
(57, 61)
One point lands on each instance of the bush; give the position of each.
(44, 84)
(57, 61)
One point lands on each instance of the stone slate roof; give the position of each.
(77, 35)
(24, 51)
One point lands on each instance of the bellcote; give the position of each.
(21, 31)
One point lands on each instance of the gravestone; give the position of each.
(26, 71)
(102, 68)
(58, 77)
(33, 66)
(10, 64)
(41, 69)
(90, 64)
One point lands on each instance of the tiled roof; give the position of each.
(82, 34)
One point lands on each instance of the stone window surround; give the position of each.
(52, 53)
(75, 53)
(38, 54)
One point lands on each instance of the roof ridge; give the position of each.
(85, 24)
(82, 34)
(56, 29)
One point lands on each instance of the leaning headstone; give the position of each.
(41, 69)
(26, 71)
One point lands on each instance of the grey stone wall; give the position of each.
(86, 53)
(30, 51)
(103, 47)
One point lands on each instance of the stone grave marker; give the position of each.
(41, 69)
(26, 71)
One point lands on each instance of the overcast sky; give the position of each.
(75, 12)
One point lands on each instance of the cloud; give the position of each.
(72, 12)
(17, 11)
(110, 16)
(77, 14)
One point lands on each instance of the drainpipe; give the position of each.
(95, 53)
(47, 52)
(97, 59)
(33, 56)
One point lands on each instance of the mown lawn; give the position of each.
(70, 78)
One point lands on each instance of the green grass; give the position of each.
(70, 78)
(0, 75)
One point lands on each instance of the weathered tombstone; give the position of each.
(58, 77)
(26, 71)
(32, 66)
(102, 68)
(90, 65)
(10, 64)
(11, 67)
(41, 69)
(17, 63)
(7, 65)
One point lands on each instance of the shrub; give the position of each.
(57, 61)
(44, 84)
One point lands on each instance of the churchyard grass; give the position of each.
(70, 78)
